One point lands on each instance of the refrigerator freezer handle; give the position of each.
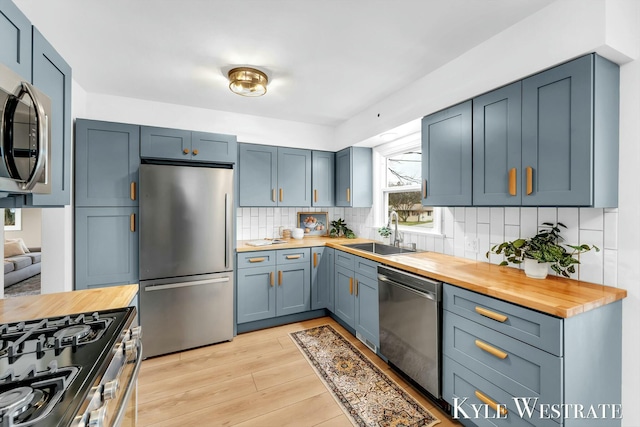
(227, 232)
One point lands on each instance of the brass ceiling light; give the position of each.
(247, 81)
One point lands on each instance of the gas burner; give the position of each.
(77, 333)
(16, 401)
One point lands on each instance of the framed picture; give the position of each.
(13, 219)
(313, 223)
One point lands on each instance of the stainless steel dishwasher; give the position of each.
(410, 326)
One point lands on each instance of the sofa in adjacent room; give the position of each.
(20, 262)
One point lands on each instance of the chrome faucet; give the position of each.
(397, 237)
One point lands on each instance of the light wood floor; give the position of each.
(258, 379)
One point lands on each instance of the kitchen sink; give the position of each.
(381, 248)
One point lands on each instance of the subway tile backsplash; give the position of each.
(489, 226)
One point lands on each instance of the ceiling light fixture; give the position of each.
(247, 81)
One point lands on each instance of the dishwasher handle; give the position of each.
(185, 284)
(424, 294)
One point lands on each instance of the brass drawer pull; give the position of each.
(315, 259)
(272, 279)
(350, 285)
(132, 190)
(513, 190)
(279, 277)
(293, 256)
(529, 180)
(185, 151)
(256, 259)
(132, 222)
(491, 314)
(281, 194)
(424, 189)
(494, 405)
(273, 194)
(195, 152)
(348, 194)
(315, 196)
(491, 349)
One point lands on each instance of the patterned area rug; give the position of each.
(30, 286)
(367, 395)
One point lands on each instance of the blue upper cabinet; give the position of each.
(274, 176)
(354, 177)
(107, 163)
(570, 135)
(497, 146)
(52, 75)
(323, 178)
(176, 144)
(294, 177)
(446, 157)
(15, 33)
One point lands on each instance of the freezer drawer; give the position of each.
(181, 313)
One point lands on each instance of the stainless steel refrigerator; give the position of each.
(186, 258)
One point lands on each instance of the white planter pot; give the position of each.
(535, 269)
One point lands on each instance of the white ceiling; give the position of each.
(327, 60)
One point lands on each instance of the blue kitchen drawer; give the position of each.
(538, 329)
(292, 256)
(256, 259)
(460, 383)
(366, 267)
(514, 366)
(344, 259)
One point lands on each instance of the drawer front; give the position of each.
(256, 259)
(344, 259)
(538, 329)
(366, 267)
(512, 365)
(293, 256)
(459, 383)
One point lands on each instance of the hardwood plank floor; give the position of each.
(258, 379)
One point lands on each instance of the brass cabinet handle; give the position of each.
(185, 151)
(315, 259)
(195, 152)
(529, 180)
(356, 287)
(348, 194)
(424, 189)
(132, 190)
(350, 285)
(132, 222)
(487, 400)
(271, 279)
(512, 182)
(256, 259)
(279, 277)
(491, 349)
(273, 194)
(491, 314)
(315, 195)
(293, 256)
(281, 194)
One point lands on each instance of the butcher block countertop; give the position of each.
(59, 304)
(554, 295)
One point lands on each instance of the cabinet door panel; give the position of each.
(343, 177)
(294, 177)
(52, 75)
(256, 294)
(322, 289)
(106, 247)
(107, 162)
(258, 175)
(497, 146)
(446, 156)
(557, 135)
(323, 180)
(15, 33)
(163, 143)
(344, 298)
(294, 290)
(366, 309)
(213, 147)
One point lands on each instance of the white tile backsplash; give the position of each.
(489, 225)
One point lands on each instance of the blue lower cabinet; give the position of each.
(293, 294)
(366, 309)
(322, 289)
(344, 297)
(256, 294)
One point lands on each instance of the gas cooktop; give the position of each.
(49, 366)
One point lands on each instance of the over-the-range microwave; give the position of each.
(25, 135)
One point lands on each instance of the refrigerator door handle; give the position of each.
(227, 237)
(185, 284)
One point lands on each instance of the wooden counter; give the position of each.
(63, 303)
(554, 295)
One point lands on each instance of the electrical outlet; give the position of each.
(471, 244)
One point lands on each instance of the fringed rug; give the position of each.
(367, 395)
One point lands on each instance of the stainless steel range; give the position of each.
(76, 370)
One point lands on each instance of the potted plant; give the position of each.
(339, 229)
(385, 232)
(541, 251)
